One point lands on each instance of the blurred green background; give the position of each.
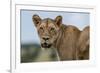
(33, 53)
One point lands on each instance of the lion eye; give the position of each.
(52, 29)
(41, 29)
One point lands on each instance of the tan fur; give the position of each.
(83, 44)
(67, 40)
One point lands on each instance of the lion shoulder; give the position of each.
(71, 29)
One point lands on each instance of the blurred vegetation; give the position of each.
(34, 53)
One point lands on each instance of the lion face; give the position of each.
(48, 29)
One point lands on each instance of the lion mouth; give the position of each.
(46, 45)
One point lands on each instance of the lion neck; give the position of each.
(59, 41)
(60, 37)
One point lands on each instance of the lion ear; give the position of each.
(36, 19)
(58, 20)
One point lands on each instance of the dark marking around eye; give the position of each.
(41, 30)
(52, 29)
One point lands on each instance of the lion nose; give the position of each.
(45, 38)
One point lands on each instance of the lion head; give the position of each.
(48, 29)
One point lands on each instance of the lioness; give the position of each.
(54, 34)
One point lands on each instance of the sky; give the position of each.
(29, 32)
